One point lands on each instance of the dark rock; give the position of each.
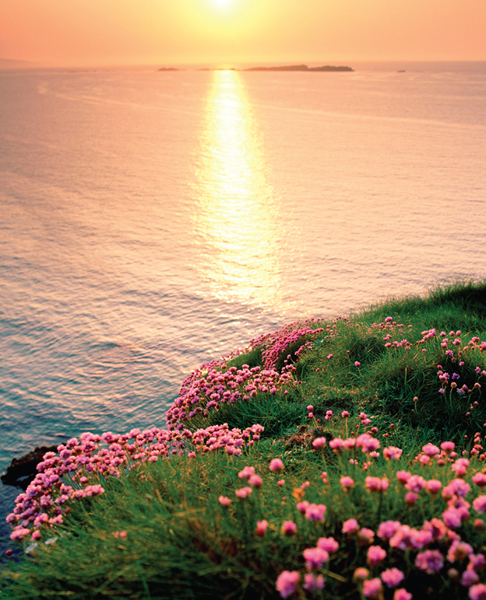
(23, 470)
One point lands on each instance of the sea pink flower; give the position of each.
(360, 574)
(415, 483)
(479, 504)
(276, 465)
(287, 583)
(372, 588)
(430, 561)
(376, 484)
(365, 536)
(411, 498)
(459, 551)
(281, 482)
(430, 450)
(351, 526)
(479, 479)
(347, 483)
(315, 512)
(403, 477)
(261, 527)
(313, 582)
(357, 364)
(315, 558)
(447, 446)
(244, 492)
(402, 594)
(469, 578)
(387, 529)
(392, 453)
(19, 534)
(319, 442)
(328, 544)
(246, 473)
(392, 577)
(376, 555)
(256, 481)
(433, 486)
(289, 528)
(477, 592)
(302, 506)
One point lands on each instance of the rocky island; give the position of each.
(300, 68)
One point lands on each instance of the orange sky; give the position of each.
(225, 32)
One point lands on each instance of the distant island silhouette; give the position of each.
(299, 68)
(278, 68)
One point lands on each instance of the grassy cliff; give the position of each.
(330, 459)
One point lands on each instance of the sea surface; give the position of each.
(151, 221)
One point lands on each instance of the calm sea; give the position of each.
(150, 221)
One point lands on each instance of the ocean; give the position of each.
(153, 220)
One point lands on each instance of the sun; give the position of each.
(223, 3)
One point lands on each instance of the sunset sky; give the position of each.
(225, 32)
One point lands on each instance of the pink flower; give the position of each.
(479, 504)
(376, 555)
(246, 473)
(328, 544)
(345, 414)
(315, 558)
(261, 528)
(430, 450)
(255, 481)
(402, 594)
(448, 446)
(351, 526)
(477, 592)
(360, 574)
(346, 483)
(433, 486)
(120, 534)
(415, 483)
(276, 465)
(411, 498)
(319, 442)
(459, 551)
(244, 492)
(403, 477)
(315, 512)
(469, 578)
(287, 583)
(281, 482)
(392, 577)
(376, 484)
(479, 479)
(313, 582)
(357, 364)
(387, 529)
(302, 506)
(19, 534)
(392, 453)
(372, 588)
(365, 536)
(289, 528)
(430, 561)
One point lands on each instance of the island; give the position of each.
(300, 68)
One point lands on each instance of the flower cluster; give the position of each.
(216, 383)
(434, 548)
(78, 467)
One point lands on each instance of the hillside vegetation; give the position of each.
(339, 459)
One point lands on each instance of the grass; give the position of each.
(161, 527)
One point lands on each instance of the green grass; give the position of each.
(182, 543)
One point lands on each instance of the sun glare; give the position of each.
(223, 3)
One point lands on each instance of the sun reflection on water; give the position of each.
(236, 218)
